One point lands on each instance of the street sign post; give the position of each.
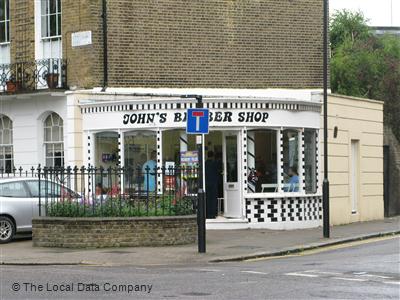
(197, 123)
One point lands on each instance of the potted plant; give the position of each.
(12, 85)
(52, 80)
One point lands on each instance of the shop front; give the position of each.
(264, 151)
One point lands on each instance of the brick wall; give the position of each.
(180, 43)
(113, 232)
(210, 43)
(216, 43)
(85, 64)
(22, 30)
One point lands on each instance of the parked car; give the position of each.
(19, 203)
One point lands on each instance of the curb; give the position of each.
(295, 250)
(3, 263)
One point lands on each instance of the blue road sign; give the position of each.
(197, 121)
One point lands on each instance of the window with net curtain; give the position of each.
(54, 140)
(6, 144)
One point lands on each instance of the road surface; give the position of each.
(362, 270)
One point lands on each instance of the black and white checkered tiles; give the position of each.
(307, 208)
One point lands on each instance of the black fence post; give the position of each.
(40, 191)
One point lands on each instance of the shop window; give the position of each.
(51, 18)
(141, 159)
(4, 21)
(180, 159)
(175, 144)
(106, 149)
(291, 161)
(262, 161)
(54, 140)
(310, 160)
(6, 145)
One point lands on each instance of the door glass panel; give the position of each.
(231, 158)
(291, 160)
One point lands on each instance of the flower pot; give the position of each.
(52, 80)
(11, 86)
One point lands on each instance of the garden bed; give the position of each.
(99, 232)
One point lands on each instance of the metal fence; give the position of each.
(111, 192)
(21, 77)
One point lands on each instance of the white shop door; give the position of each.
(232, 191)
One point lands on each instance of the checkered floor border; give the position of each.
(289, 209)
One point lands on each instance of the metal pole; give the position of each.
(105, 46)
(201, 207)
(325, 186)
(40, 191)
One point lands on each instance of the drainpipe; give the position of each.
(105, 49)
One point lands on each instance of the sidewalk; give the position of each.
(222, 245)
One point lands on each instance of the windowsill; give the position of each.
(5, 43)
(47, 38)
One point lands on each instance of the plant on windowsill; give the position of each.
(12, 85)
(52, 80)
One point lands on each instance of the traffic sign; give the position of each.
(197, 121)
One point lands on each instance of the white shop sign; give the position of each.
(218, 118)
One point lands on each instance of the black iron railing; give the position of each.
(111, 192)
(22, 77)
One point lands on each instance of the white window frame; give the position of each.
(47, 16)
(6, 21)
(51, 144)
(8, 144)
(314, 162)
(278, 167)
(280, 193)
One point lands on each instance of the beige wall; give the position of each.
(362, 120)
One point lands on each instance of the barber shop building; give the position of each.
(77, 89)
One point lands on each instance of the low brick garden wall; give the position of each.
(113, 232)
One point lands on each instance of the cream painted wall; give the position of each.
(362, 120)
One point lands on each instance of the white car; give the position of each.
(19, 203)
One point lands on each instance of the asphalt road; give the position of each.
(366, 270)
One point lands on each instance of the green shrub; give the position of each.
(118, 207)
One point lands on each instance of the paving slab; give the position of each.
(222, 245)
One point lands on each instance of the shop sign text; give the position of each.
(220, 117)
